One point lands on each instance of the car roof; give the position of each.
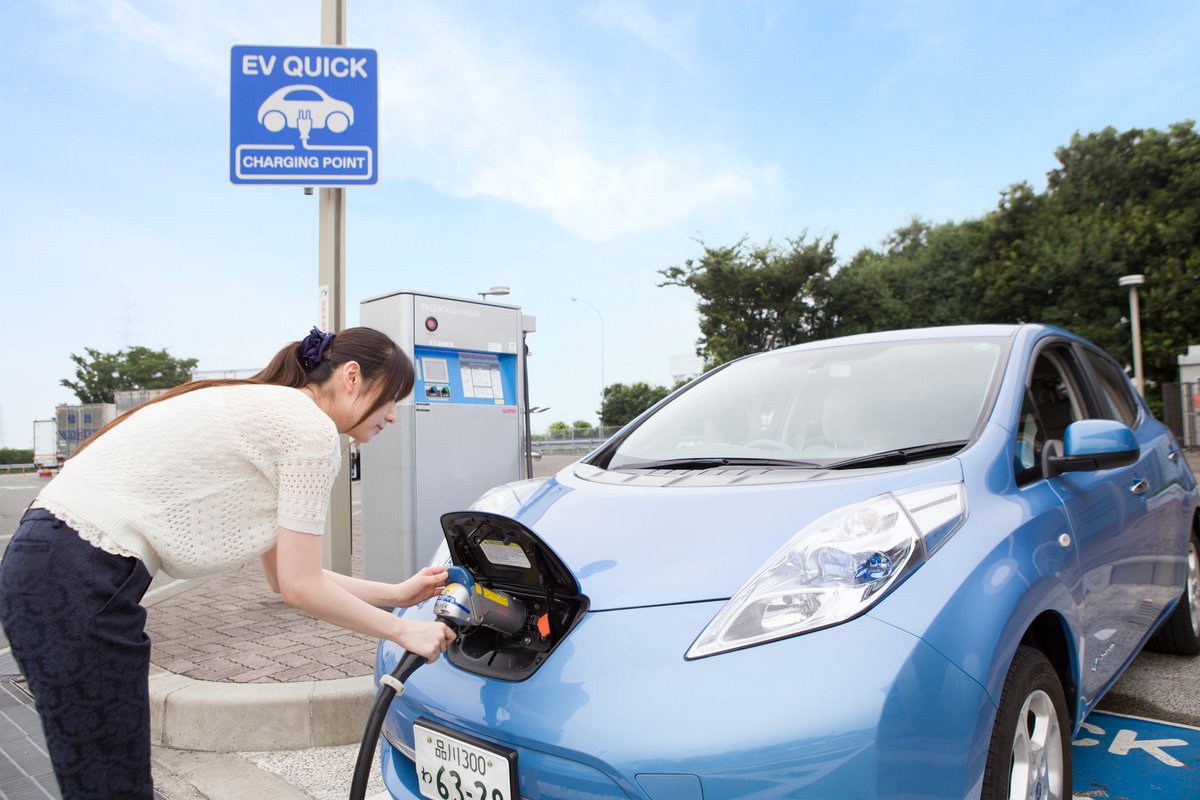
(915, 334)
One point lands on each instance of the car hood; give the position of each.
(634, 545)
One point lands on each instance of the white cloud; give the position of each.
(668, 36)
(476, 116)
(470, 104)
(187, 37)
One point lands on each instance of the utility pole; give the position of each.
(1135, 327)
(331, 247)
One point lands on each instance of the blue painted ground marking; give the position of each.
(1131, 758)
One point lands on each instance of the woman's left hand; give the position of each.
(420, 587)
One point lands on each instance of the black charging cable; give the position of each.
(389, 686)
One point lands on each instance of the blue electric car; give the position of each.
(896, 565)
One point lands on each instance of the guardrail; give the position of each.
(9, 469)
(548, 446)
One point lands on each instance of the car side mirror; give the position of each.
(1089, 445)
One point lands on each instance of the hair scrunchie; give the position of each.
(313, 347)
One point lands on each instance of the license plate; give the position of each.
(455, 766)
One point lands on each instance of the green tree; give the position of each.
(583, 428)
(1117, 204)
(755, 298)
(926, 275)
(622, 403)
(99, 376)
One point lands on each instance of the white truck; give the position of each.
(45, 445)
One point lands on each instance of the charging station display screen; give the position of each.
(465, 377)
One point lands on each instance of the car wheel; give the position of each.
(1030, 752)
(274, 121)
(1180, 633)
(337, 122)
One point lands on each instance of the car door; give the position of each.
(1108, 521)
(1159, 485)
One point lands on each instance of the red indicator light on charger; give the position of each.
(431, 324)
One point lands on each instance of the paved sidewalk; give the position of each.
(234, 628)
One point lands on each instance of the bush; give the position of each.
(11, 455)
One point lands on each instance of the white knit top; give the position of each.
(198, 484)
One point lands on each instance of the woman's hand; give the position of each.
(427, 639)
(294, 566)
(420, 587)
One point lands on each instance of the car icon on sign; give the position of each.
(287, 105)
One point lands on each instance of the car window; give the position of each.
(826, 404)
(1116, 392)
(1055, 392)
(1027, 447)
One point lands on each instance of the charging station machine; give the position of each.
(461, 432)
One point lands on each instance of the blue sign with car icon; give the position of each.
(303, 115)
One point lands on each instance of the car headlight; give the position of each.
(441, 556)
(507, 499)
(836, 568)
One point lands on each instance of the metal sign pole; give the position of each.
(331, 249)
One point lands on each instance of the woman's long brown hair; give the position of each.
(384, 367)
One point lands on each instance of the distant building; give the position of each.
(224, 374)
(129, 399)
(1189, 390)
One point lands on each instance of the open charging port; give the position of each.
(518, 575)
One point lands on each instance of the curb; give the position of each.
(188, 714)
(222, 717)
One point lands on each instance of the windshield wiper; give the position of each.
(709, 462)
(901, 455)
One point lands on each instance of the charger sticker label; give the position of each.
(504, 555)
(490, 595)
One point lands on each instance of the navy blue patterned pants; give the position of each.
(73, 616)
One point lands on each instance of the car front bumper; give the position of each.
(859, 710)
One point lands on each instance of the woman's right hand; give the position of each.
(427, 639)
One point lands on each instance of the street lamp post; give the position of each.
(601, 316)
(1135, 325)
(498, 291)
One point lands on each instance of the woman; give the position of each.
(199, 481)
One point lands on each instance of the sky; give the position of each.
(562, 149)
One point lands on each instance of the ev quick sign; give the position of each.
(303, 115)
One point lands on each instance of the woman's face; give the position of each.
(382, 415)
(355, 405)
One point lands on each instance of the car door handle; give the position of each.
(1139, 486)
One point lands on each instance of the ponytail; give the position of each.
(313, 360)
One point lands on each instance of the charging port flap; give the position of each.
(503, 555)
(499, 551)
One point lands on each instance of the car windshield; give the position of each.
(824, 407)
